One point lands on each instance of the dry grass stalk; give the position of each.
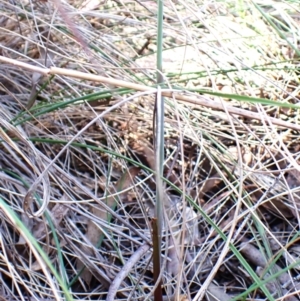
(62, 61)
(168, 93)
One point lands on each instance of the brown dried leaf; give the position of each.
(276, 206)
(94, 233)
(36, 266)
(246, 154)
(223, 225)
(256, 257)
(143, 149)
(39, 229)
(58, 212)
(209, 207)
(209, 184)
(28, 222)
(174, 264)
(183, 298)
(192, 232)
(215, 293)
(279, 208)
(126, 181)
(293, 180)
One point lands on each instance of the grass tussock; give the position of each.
(78, 163)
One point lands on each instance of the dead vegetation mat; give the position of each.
(79, 176)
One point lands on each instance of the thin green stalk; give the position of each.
(35, 247)
(50, 107)
(63, 272)
(281, 35)
(159, 143)
(259, 283)
(160, 20)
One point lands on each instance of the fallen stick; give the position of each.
(200, 100)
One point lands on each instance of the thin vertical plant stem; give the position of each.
(156, 260)
(160, 15)
(159, 148)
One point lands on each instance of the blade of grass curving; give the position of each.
(256, 285)
(41, 109)
(117, 61)
(272, 263)
(281, 35)
(257, 222)
(258, 281)
(266, 248)
(196, 74)
(235, 251)
(244, 98)
(132, 86)
(39, 253)
(63, 272)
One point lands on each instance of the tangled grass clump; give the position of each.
(79, 175)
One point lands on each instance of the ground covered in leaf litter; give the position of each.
(239, 176)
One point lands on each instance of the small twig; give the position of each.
(136, 256)
(214, 104)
